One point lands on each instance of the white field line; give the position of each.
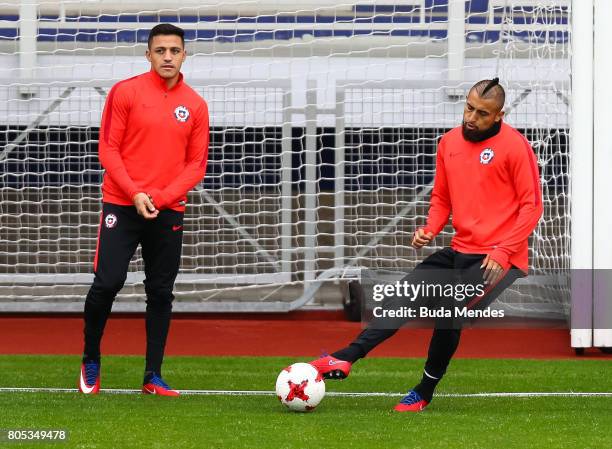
(330, 393)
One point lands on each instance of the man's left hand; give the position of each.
(493, 271)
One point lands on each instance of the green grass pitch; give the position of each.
(137, 421)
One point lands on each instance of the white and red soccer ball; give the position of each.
(300, 387)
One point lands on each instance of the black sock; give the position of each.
(351, 353)
(157, 323)
(148, 375)
(426, 388)
(98, 306)
(443, 345)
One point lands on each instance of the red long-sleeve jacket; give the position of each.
(492, 189)
(153, 140)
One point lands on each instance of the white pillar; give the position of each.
(582, 173)
(456, 39)
(602, 178)
(28, 28)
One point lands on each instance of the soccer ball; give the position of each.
(300, 387)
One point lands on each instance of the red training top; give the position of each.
(492, 189)
(153, 140)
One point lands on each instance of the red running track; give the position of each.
(251, 335)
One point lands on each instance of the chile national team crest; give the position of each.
(110, 221)
(486, 156)
(181, 113)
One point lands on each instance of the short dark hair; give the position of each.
(491, 89)
(166, 29)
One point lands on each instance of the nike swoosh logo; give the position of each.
(150, 391)
(84, 388)
(176, 228)
(333, 362)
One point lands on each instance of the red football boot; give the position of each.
(412, 402)
(157, 386)
(332, 368)
(89, 380)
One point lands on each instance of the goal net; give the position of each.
(324, 123)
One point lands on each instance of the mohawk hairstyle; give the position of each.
(491, 89)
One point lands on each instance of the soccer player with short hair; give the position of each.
(153, 147)
(487, 178)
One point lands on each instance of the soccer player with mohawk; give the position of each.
(487, 178)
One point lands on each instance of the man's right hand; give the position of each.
(144, 206)
(421, 238)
